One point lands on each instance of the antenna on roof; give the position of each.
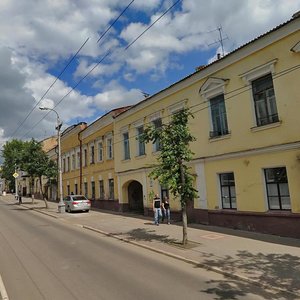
(219, 41)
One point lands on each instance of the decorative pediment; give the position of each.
(213, 87)
(296, 48)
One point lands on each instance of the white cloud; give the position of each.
(115, 95)
(47, 33)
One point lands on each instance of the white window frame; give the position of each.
(92, 159)
(109, 146)
(256, 73)
(100, 147)
(212, 88)
(126, 145)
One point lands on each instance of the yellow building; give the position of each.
(88, 161)
(71, 159)
(247, 150)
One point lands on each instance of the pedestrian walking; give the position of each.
(166, 210)
(20, 197)
(157, 209)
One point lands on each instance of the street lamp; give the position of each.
(61, 205)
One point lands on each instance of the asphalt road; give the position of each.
(45, 258)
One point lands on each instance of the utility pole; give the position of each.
(61, 204)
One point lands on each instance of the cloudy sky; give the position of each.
(39, 37)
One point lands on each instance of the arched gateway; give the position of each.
(135, 197)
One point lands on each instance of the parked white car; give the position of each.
(77, 203)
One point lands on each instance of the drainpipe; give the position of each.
(80, 163)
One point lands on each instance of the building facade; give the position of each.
(88, 161)
(247, 148)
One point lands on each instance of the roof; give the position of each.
(201, 68)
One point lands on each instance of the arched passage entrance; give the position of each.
(135, 197)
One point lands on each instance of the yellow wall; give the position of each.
(244, 134)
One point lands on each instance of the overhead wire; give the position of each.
(103, 58)
(241, 90)
(64, 69)
(49, 88)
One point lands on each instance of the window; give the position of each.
(218, 116)
(100, 151)
(68, 164)
(64, 165)
(73, 162)
(228, 195)
(264, 100)
(92, 154)
(277, 188)
(76, 189)
(68, 190)
(109, 148)
(78, 160)
(164, 191)
(101, 189)
(85, 157)
(126, 145)
(157, 124)
(111, 188)
(86, 192)
(141, 145)
(93, 190)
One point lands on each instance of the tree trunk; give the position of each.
(184, 225)
(43, 196)
(183, 206)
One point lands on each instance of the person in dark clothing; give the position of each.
(166, 209)
(156, 209)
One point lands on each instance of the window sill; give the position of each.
(140, 156)
(220, 138)
(265, 127)
(126, 160)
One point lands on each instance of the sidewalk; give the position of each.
(269, 261)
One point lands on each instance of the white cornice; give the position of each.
(239, 154)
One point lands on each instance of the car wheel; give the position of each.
(68, 209)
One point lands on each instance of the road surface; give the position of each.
(46, 258)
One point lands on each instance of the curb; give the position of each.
(3, 293)
(181, 258)
(195, 263)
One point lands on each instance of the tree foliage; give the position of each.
(12, 154)
(172, 170)
(27, 156)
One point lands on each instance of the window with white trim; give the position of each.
(218, 116)
(140, 144)
(92, 154)
(109, 145)
(126, 145)
(100, 151)
(264, 100)
(101, 190)
(157, 123)
(78, 159)
(277, 189)
(227, 186)
(73, 161)
(111, 188)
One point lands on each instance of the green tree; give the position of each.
(12, 153)
(27, 156)
(172, 170)
(37, 164)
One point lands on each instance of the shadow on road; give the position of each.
(267, 269)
